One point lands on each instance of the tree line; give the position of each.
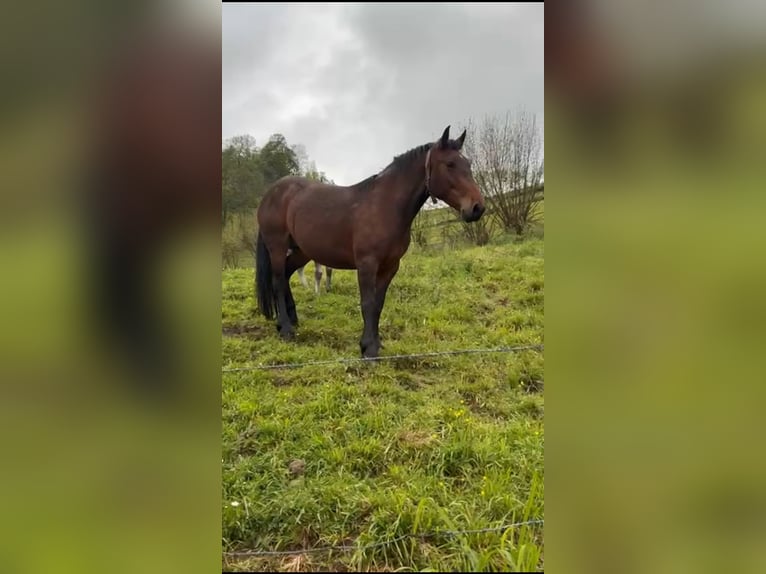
(248, 170)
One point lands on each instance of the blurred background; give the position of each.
(656, 121)
(110, 290)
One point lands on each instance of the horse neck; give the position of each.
(405, 190)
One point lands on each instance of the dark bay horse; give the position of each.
(364, 227)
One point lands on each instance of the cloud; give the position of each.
(357, 84)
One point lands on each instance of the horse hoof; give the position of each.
(370, 352)
(287, 334)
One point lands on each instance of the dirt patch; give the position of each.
(415, 439)
(407, 381)
(239, 330)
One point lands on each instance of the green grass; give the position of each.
(408, 446)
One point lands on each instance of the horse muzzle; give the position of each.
(472, 214)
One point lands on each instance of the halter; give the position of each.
(428, 176)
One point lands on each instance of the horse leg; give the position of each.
(295, 262)
(277, 247)
(317, 277)
(281, 288)
(329, 278)
(385, 275)
(290, 302)
(367, 271)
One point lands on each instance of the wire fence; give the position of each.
(344, 548)
(536, 347)
(423, 536)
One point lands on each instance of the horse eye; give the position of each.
(450, 164)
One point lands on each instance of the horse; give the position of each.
(365, 226)
(317, 277)
(153, 172)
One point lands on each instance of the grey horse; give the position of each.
(317, 277)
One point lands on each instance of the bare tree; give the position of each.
(479, 232)
(418, 231)
(508, 165)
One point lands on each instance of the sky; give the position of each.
(356, 84)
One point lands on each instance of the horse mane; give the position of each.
(401, 161)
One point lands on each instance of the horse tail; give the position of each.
(264, 287)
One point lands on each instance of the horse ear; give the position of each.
(460, 140)
(444, 139)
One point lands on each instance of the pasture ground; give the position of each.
(408, 446)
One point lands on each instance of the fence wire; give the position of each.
(259, 553)
(538, 347)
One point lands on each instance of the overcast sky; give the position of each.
(357, 84)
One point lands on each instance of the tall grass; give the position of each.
(403, 447)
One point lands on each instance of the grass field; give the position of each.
(356, 454)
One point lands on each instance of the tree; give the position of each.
(247, 171)
(312, 173)
(508, 165)
(278, 159)
(242, 145)
(302, 157)
(242, 182)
